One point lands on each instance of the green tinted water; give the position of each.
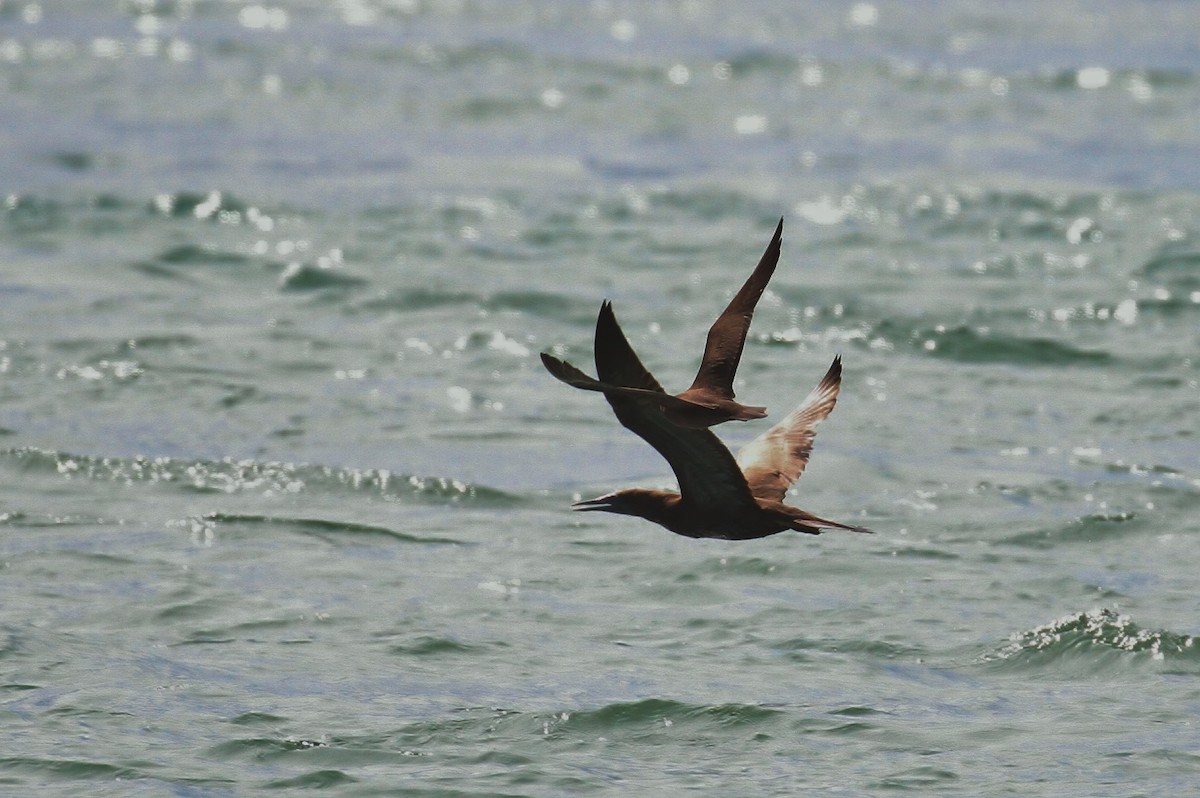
(284, 489)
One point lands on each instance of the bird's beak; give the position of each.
(601, 503)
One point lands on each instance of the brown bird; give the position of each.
(710, 399)
(719, 497)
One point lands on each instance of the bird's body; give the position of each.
(710, 399)
(719, 496)
(672, 511)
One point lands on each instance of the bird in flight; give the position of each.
(710, 399)
(719, 496)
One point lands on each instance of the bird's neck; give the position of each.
(660, 506)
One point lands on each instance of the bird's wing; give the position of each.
(616, 362)
(727, 336)
(774, 460)
(572, 376)
(709, 477)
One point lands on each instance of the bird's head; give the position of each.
(653, 505)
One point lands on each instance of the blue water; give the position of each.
(284, 489)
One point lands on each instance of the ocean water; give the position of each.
(284, 490)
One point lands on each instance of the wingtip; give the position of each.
(833, 375)
(606, 314)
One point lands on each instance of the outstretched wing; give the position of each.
(709, 477)
(727, 336)
(774, 460)
(616, 362)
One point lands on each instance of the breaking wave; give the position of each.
(1095, 641)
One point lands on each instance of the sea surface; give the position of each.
(285, 490)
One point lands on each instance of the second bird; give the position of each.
(710, 400)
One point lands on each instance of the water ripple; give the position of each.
(253, 476)
(973, 345)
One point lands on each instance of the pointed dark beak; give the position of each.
(602, 503)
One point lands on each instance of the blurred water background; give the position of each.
(284, 489)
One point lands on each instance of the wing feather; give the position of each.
(776, 459)
(727, 336)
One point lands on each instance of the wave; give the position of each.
(531, 302)
(58, 769)
(252, 476)
(189, 261)
(1177, 270)
(184, 262)
(217, 206)
(970, 345)
(656, 713)
(473, 735)
(636, 721)
(638, 718)
(1095, 641)
(1088, 530)
(180, 261)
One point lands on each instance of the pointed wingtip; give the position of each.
(772, 252)
(833, 375)
(606, 320)
(606, 315)
(777, 238)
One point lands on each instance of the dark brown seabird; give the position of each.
(719, 497)
(710, 399)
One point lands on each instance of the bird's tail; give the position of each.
(748, 413)
(814, 525)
